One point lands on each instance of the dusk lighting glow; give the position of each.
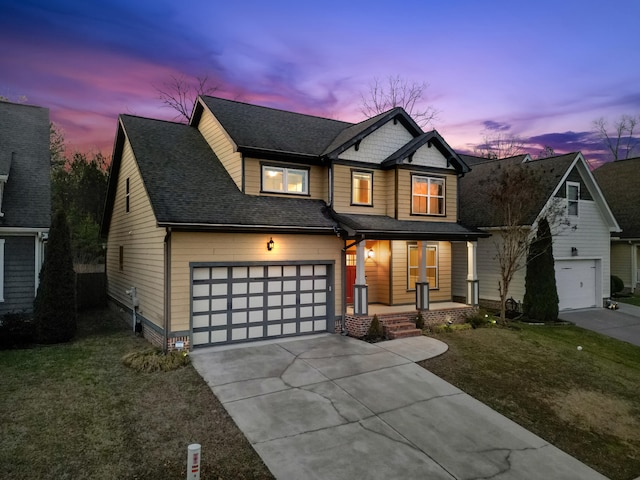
(541, 70)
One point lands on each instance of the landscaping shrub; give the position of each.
(154, 360)
(541, 294)
(16, 330)
(617, 285)
(375, 332)
(419, 321)
(54, 310)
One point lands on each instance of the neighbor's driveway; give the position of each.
(623, 324)
(331, 407)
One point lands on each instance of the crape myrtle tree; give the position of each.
(541, 293)
(54, 311)
(515, 191)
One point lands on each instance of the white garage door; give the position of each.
(241, 302)
(576, 282)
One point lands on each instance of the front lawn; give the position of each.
(586, 402)
(632, 300)
(74, 411)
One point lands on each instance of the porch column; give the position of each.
(360, 289)
(422, 285)
(473, 289)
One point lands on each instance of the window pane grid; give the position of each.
(427, 195)
(285, 180)
(413, 269)
(361, 185)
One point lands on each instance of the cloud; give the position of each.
(496, 126)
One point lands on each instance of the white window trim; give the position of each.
(432, 246)
(428, 196)
(577, 200)
(362, 172)
(285, 172)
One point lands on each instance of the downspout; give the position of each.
(167, 288)
(395, 195)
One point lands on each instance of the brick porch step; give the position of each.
(399, 328)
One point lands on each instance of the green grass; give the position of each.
(75, 411)
(632, 300)
(586, 402)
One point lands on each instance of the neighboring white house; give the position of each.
(581, 242)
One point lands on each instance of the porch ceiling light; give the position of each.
(370, 253)
(270, 244)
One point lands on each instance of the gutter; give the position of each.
(167, 288)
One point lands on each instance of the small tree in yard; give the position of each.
(514, 194)
(54, 307)
(541, 294)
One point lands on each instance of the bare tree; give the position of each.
(546, 152)
(514, 193)
(180, 93)
(621, 142)
(394, 92)
(499, 144)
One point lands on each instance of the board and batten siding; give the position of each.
(142, 242)
(222, 145)
(379, 144)
(188, 247)
(342, 191)
(253, 179)
(19, 274)
(591, 238)
(400, 294)
(404, 197)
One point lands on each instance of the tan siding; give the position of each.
(342, 192)
(404, 198)
(400, 293)
(459, 269)
(143, 244)
(317, 179)
(377, 271)
(621, 263)
(231, 247)
(222, 145)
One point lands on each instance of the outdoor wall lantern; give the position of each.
(574, 252)
(370, 253)
(270, 244)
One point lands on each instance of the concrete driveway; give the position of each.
(332, 407)
(623, 324)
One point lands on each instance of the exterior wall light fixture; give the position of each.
(270, 244)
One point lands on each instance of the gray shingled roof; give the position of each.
(475, 207)
(268, 129)
(24, 155)
(620, 185)
(383, 227)
(188, 185)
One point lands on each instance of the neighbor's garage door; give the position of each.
(240, 302)
(576, 282)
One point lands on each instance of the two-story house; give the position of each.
(252, 222)
(25, 202)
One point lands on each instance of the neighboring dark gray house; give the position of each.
(25, 202)
(620, 183)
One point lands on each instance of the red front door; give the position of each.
(350, 276)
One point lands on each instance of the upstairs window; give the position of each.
(285, 180)
(361, 188)
(573, 198)
(427, 195)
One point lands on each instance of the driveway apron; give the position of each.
(622, 324)
(332, 407)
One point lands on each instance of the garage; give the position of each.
(576, 283)
(232, 303)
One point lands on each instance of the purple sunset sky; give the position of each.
(541, 70)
